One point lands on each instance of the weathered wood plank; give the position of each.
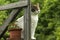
(14, 5)
(27, 22)
(4, 27)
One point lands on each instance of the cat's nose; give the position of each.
(38, 11)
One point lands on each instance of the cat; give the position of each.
(35, 10)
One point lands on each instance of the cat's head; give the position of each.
(35, 9)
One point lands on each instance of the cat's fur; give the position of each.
(34, 20)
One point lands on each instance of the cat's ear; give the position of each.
(38, 5)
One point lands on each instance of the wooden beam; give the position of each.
(27, 22)
(14, 5)
(4, 27)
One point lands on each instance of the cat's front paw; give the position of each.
(33, 38)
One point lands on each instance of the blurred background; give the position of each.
(49, 18)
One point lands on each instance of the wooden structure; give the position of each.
(16, 8)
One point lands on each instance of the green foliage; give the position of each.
(3, 14)
(49, 18)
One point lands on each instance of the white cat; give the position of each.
(34, 20)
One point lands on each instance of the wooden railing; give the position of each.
(14, 5)
(16, 8)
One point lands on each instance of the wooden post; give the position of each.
(27, 22)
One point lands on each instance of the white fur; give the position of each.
(34, 21)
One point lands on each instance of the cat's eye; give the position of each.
(34, 8)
